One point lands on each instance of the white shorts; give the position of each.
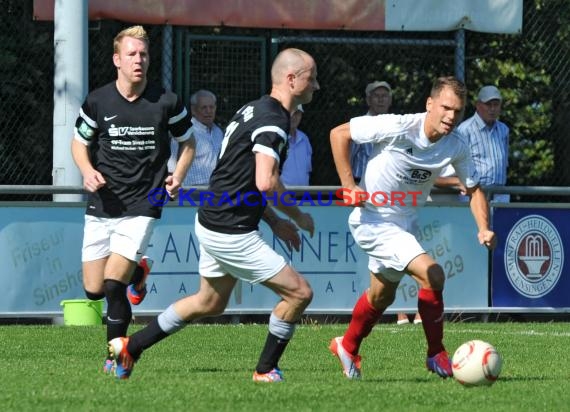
(244, 256)
(389, 243)
(125, 236)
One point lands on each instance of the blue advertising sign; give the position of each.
(528, 265)
(41, 250)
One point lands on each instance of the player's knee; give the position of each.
(115, 289)
(93, 295)
(214, 307)
(303, 296)
(307, 295)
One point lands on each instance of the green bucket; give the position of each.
(82, 312)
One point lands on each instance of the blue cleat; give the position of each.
(274, 375)
(124, 362)
(137, 292)
(109, 367)
(440, 364)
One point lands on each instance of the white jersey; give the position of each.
(404, 164)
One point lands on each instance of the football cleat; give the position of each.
(350, 363)
(274, 375)
(109, 367)
(124, 362)
(137, 292)
(440, 364)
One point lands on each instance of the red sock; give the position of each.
(430, 307)
(364, 317)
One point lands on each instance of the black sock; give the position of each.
(145, 338)
(118, 308)
(271, 353)
(94, 296)
(137, 275)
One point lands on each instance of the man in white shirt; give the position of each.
(408, 155)
(208, 140)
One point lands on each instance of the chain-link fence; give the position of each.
(531, 69)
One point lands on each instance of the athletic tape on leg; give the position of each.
(169, 321)
(280, 328)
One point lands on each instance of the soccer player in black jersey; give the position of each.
(231, 246)
(121, 146)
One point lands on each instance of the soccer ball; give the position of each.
(476, 363)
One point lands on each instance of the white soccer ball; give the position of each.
(476, 363)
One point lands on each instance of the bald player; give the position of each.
(231, 246)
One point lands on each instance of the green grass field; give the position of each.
(209, 368)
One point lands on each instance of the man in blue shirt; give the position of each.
(297, 167)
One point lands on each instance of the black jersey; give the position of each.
(129, 144)
(234, 203)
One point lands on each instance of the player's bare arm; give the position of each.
(302, 219)
(452, 182)
(93, 180)
(283, 228)
(480, 210)
(340, 144)
(267, 180)
(266, 173)
(187, 150)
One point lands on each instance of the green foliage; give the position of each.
(209, 368)
(532, 70)
(527, 103)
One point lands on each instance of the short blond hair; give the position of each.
(136, 32)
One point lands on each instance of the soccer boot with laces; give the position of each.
(124, 362)
(274, 375)
(137, 292)
(440, 364)
(350, 363)
(109, 367)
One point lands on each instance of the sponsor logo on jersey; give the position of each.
(419, 175)
(130, 131)
(534, 256)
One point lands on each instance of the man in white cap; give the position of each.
(488, 139)
(379, 100)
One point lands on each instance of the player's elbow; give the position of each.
(264, 185)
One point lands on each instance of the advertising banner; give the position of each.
(41, 250)
(493, 16)
(529, 269)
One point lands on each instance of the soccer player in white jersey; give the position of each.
(409, 152)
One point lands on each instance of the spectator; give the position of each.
(379, 100)
(297, 167)
(488, 140)
(208, 139)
